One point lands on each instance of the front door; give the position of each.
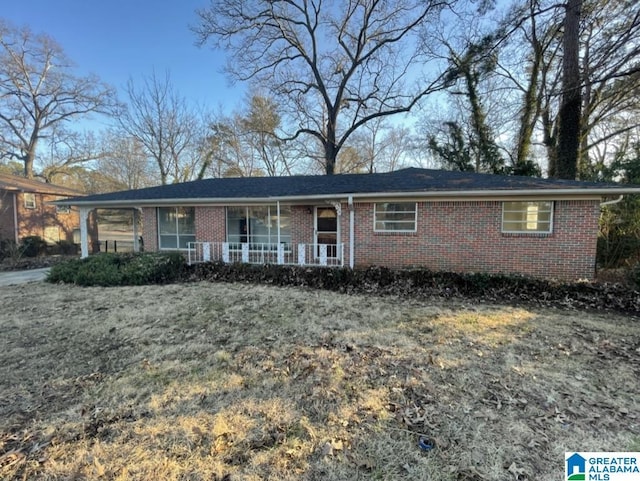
(326, 231)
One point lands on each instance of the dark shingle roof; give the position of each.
(412, 180)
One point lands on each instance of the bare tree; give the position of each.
(261, 123)
(338, 65)
(382, 146)
(166, 125)
(125, 163)
(39, 93)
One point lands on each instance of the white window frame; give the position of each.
(389, 231)
(272, 209)
(177, 235)
(528, 231)
(29, 200)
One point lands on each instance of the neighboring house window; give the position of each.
(395, 216)
(258, 225)
(176, 226)
(523, 217)
(51, 235)
(29, 201)
(63, 209)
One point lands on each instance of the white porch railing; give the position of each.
(283, 254)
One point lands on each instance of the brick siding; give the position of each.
(467, 237)
(150, 229)
(39, 221)
(451, 236)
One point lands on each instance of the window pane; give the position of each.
(259, 225)
(186, 220)
(176, 226)
(527, 216)
(168, 242)
(395, 216)
(285, 224)
(167, 220)
(237, 224)
(184, 240)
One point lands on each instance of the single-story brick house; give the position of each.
(441, 220)
(26, 209)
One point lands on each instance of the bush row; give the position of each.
(34, 246)
(110, 269)
(422, 283)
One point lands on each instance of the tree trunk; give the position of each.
(571, 105)
(330, 157)
(28, 164)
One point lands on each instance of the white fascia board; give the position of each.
(582, 194)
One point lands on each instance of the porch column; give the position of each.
(136, 235)
(84, 236)
(279, 250)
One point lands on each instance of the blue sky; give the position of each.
(122, 39)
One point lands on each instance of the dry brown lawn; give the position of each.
(242, 382)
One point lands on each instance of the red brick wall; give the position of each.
(211, 224)
(150, 229)
(7, 228)
(451, 236)
(33, 222)
(467, 237)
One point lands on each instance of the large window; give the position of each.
(258, 226)
(529, 217)
(176, 226)
(395, 217)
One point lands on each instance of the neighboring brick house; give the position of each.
(25, 210)
(440, 220)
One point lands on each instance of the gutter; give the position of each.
(502, 194)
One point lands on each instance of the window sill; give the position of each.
(527, 234)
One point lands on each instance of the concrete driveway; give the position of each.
(11, 278)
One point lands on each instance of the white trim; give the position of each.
(177, 235)
(415, 219)
(351, 232)
(29, 205)
(84, 237)
(425, 196)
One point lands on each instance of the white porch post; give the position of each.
(351, 231)
(280, 250)
(136, 236)
(84, 237)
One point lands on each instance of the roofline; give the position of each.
(431, 195)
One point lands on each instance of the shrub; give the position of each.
(66, 248)
(634, 275)
(421, 283)
(33, 246)
(9, 250)
(109, 269)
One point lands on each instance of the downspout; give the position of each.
(611, 202)
(136, 235)
(351, 231)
